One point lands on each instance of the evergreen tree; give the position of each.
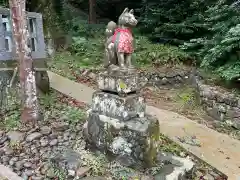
(218, 49)
(172, 20)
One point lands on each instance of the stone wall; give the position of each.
(165, 78)
(219, 103)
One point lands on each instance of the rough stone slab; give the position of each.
(174, 168)
(131, 141)
(119, 82)
(118, 107)
(7, 173)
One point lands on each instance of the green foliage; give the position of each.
(148, 53)
(10, 121)
(89, 51)
(167, 145)
(4, 3)
(96, 163)
(73, 114)
(172, 21)
(186, 97)
(60, 174)
(218, 50)
(124, 173)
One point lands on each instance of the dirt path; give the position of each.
(217, 149)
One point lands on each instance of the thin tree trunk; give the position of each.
(92, 12)
(30, 106)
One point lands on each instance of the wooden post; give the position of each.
(30, 107)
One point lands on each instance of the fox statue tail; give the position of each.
(111, 26)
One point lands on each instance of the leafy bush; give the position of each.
(148, 53)
(172, 21)
(219, 50)
(90, 52)
(80, 27)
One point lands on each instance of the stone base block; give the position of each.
(174, 167)
(118, 107)
(131, 142)
(122, 82)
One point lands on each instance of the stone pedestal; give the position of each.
(121, 82)
(117, 121)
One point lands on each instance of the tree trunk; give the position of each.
(92, 12)
(30, 106)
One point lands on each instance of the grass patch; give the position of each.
(54, 106)
(89, 53)
(186, 98)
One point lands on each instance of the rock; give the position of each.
(208, 177)
(5, 158)
(50, 173)
(129, 136)
(44, 141)
(1, 133)
(8, 151)
(144, 177)
(68, 160)
(33, 136)
(54, 135)
(12, 161)
(236, 123)
(214, 112)
(44, 169)
(93, 178)
(126, 160)
(71, 173)
(82, 171)
(92, 75)
(19, 165)
(37, 178)
(3, 139)
(53, 142)
(174, 168)
(73, 136)
(60, 126)
(27, 164)
(28, 173)
(45, 130)
(15, 136)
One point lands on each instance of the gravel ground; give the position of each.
(28, 152)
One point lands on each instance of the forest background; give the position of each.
(201, 33)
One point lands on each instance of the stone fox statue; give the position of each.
(119, 42)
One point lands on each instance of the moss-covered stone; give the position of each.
(119, 82)
(114, 106)
(134, 140)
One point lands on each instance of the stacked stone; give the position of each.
(117, 120)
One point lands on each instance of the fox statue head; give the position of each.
(127, 18)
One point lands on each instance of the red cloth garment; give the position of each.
(124, 40)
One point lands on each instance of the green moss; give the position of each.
(151, 148)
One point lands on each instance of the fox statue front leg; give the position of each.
(128, 58)
(121, 60)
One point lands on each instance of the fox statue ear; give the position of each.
(125, 10)
(131, 11)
